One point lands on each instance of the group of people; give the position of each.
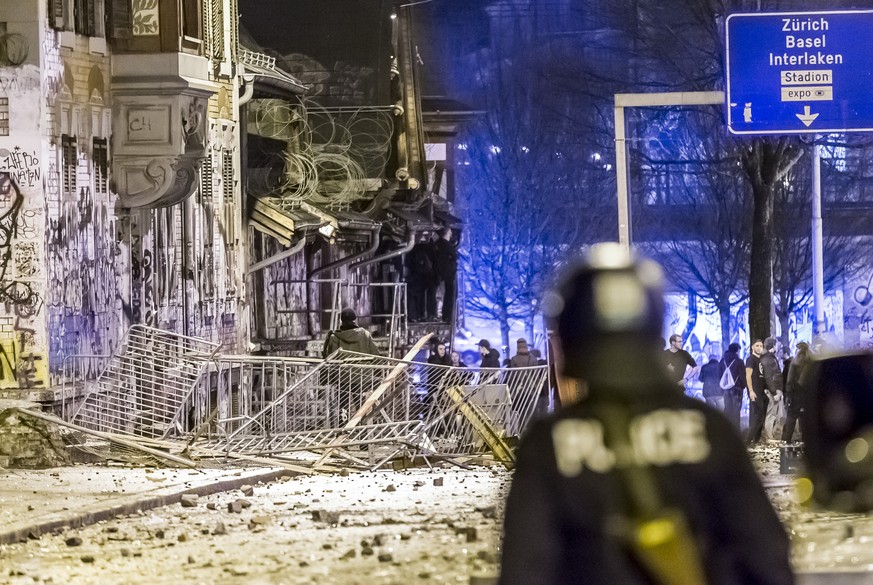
(525, 356)
(430, 263)
(774, 390)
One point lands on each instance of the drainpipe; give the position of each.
(410, 243)
(277, 257)
(374, 244)
(397, 88)
(249, 80)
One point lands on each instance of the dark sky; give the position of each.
(448, 34)
(354, 31)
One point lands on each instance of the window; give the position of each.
(228, 196)
(101, 166)
(82, 16)
(68, 165)
(206, 180)
(227, 175)
(205, 232)
(4, 116)
(191, 19)
(216, 28)
(228, 220)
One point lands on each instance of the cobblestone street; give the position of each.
(424, 526)
(418, 526)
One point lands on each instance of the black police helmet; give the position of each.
(608, 313)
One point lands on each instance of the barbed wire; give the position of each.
(331, 152)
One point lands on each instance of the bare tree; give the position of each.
(517, 232)
(577, 56)
(526, 176)
(692, 186)
(843, 255)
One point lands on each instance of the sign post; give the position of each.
(799, 72)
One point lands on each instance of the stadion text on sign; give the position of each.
(799, 72)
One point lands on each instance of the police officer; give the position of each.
(635, 483)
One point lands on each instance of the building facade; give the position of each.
(119, 179)
(155, 169)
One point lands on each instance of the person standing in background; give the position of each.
(709, 376)
(422, 281)
(523, 358)
(733, 397)
(678, 362)
(490, 356)
(795, 390)
(446, 254)
(773, 388)
(757, 397)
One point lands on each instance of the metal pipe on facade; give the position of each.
(277, 257)
(250, 86)
(374, 245)
(410, 243)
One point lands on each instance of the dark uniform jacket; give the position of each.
(567, 497)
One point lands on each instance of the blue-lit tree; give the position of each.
(843, 253)
(526, 179)
(696, 212)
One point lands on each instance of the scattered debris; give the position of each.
(189, 500)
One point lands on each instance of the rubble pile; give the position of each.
(29, 443)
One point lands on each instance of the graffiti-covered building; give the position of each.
(157, 168)
(119, 179)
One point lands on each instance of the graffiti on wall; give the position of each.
(20, 295)
(859, 313)
(14, 81)
(82, 281)
(142, 273)
(22, 166)
(22, 363)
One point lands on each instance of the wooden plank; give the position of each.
(376, 394)
(479, 420)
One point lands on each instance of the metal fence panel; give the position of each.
(145, 389)
(452, 404)
(160, 385)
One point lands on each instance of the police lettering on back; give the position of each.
(661, 437)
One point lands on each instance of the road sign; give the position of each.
(799, 72)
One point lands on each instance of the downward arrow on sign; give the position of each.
(806, 117)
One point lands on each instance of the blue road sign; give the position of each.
(799, 72)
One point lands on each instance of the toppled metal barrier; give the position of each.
(459, 412)
(146, 389)
(353, 409)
